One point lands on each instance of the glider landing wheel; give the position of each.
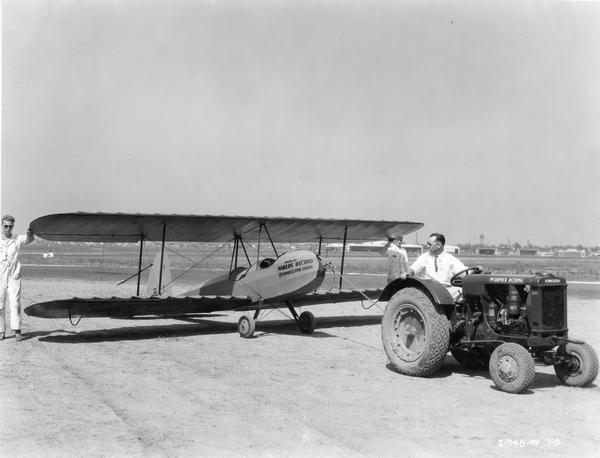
(246, 326)
(307, 322)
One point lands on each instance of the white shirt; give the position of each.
(397, 261)
(447, 266)
(10, 267)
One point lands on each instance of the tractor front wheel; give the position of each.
(578, 365)
(512, 368)
(415, 334)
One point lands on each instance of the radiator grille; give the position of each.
(553, 307)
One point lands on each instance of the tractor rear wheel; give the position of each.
(415, 334)
(512, 368)
(582, 368)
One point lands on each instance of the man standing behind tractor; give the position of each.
(438, 264)
(10, 271)
(397, 259)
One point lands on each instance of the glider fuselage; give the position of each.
(293, 273)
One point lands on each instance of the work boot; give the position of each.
(18, 336)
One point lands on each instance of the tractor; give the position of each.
(502, 322)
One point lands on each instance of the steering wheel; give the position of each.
(457, 279)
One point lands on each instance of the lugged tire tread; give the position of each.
(431, 361)
(528, 374)
(592, 371)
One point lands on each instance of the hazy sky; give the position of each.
(472, 117)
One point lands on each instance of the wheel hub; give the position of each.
(410, 333)
(574, 365)
(508, 369)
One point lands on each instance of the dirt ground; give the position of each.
(178, 387)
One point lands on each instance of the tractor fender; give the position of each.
(437, 292)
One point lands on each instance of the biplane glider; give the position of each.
(291, 279)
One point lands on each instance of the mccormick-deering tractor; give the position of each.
(501, 322)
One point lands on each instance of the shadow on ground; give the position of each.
(451, 367)
(200, 326)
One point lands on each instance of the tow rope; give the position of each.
(330, 265)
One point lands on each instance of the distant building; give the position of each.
(365, 247)
(572, 253)
(413, 249)
(453, 249)
(335, 247)
(528, 251)
(546, 254)
(375, 247)
(487, 251)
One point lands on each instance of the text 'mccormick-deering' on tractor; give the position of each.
(502, 322)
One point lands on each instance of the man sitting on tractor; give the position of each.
(438, 265)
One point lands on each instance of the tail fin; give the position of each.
(152, 283)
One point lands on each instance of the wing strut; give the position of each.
(258, 244)
(343, 255)
(271, 240)
(234, 254)
(162, 257)
(245, 252)
(140, 265)
(320, 242)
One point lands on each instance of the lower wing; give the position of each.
(121, 307)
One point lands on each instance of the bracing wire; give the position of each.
(101, 274)
(193, 266)
(343, 277)
(71, 320)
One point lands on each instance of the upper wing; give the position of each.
(121, 227)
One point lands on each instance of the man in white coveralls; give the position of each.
(397, 259)
(10, 271)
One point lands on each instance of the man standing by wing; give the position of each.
(397, 259)
(10, 275)
(438, 265)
